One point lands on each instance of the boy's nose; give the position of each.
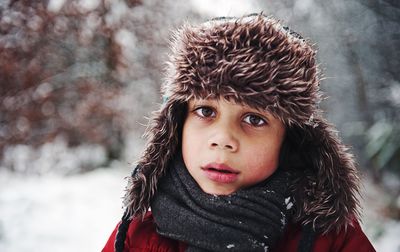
(224, 141)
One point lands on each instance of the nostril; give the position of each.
(228, 146)
(223, 146)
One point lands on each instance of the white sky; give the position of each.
(211, 8)
(217, 8)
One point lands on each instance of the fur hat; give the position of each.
(254, 60)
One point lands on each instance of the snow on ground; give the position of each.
(382, 231)
(56, 213)
(78, 212)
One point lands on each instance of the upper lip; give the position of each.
(219, 167)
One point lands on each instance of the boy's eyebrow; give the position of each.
(259, 111)
(201, 102)
(266, 114)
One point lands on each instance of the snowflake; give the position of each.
(230, 246)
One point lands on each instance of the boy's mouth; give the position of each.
(220, 168)
(223, 171)
(220, 173)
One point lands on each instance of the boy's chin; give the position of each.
(218, 190)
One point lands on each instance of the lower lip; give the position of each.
(221, 177)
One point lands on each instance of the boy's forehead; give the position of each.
(229, 100)
(243, 93)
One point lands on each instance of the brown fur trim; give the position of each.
(327, 189)
(255, 61)
(163, 134)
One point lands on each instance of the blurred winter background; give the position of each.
(79, 77)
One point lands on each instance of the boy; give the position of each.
(239, 156)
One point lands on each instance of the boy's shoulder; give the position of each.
(142, 236)
(351, 239)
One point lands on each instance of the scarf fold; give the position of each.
(251, 219)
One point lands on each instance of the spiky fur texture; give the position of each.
(255, 61)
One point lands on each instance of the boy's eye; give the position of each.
(205, 112)
(255, 120)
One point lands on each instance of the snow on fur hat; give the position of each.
(254, 60)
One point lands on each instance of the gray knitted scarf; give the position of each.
(251, 219)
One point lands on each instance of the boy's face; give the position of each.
(227, 146)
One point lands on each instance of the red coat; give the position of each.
(142, 236)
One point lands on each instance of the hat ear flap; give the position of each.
(328, 175)
(164, 139)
